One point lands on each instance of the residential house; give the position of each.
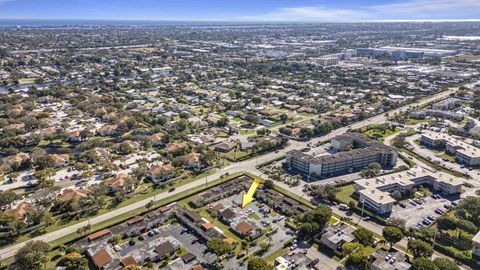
(160, 172)
(245, 227)
(74, 194)
(173, 148)
(61, 160)
(121, 181)
(156, 139)
(193, 161)
(20, 211)
(74, 136)
(224, 147)
(108, 130)
(16, 160)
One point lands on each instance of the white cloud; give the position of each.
(405, 10)
(310, 13)
(428, 6)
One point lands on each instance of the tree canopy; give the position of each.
(218, 246)
(32, 255)
(392, 234)
(257, 263)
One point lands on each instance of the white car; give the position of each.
(117, 248)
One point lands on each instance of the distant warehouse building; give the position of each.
(402, 52)
(364, 151)
(464, 153)
(326, 61)
(375, 193)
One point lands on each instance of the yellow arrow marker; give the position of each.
(248, 197)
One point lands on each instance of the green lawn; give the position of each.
(239, 154)
(345, 193)
(379, 134)
(274, 255)
(412, 121)
(254, 216)
(246, 131)
(447, 156)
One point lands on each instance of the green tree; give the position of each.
(150, 204)
(420, 248)
(307, 230)
(371, 170)
(218, 246)
(392, 235)
(445, 223)
(364, 236)
(313, 221)
(268, 184)
(423, 264)
(7, 198)
(257, 263)
(33, 255)
(74, 261)
(358, 259)
(446, 264)
(350, 247)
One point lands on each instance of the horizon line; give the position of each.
(243, 20)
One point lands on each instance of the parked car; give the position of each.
(343, 207)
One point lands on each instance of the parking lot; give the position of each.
(147, 241)
(265, 218)
(414, 213)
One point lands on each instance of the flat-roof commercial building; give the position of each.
(392, 259)
(464, 153)
(403, 52)
(375, 192)
(364, 151)
(335, 235)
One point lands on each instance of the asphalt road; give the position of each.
(244, 166)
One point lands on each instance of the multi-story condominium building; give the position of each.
(363, 152)
(375, 192)
(476, 245)
(446, 104)
(464, 153)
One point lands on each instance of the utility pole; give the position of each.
(363, 207)
(434, 238)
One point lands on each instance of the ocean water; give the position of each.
(64, 23)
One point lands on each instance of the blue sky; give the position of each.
(243, 10)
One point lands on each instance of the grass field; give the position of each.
(345, 193)
(379, 134)
(412, 121)
(26, 81)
